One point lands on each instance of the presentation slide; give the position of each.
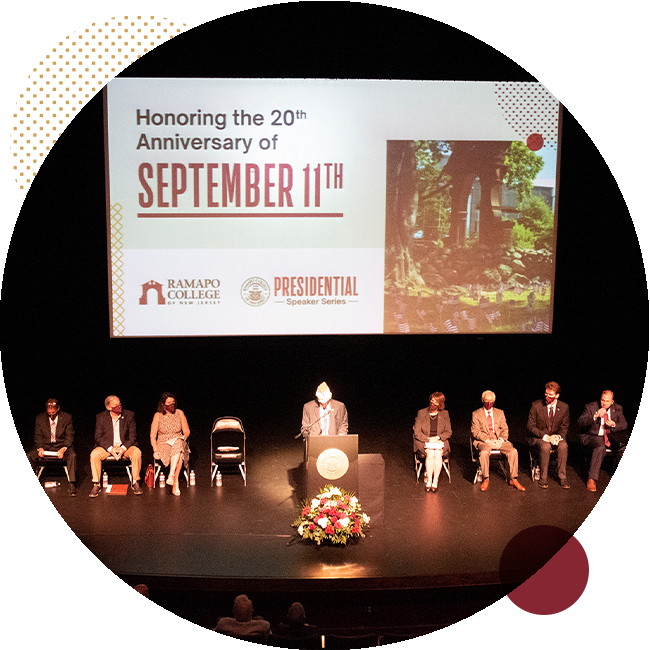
(281, 207)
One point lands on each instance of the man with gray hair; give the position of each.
(490, 432)
(242, 623)
(324, 416)
(115, 436)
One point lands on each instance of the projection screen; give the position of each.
(281, 207)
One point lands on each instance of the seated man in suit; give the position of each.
(324, 416)
(603, 428)
(53, 438)
(490, 431)
(115, 436)
(548, 423)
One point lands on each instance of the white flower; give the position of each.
(326, 495)
(335, 491)
(300, 530)
(314, 503)
(366, 519)
(322, 522)
(344, 522)
(354, 501)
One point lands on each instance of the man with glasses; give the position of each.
(115, 436)
(548, 424)
(490, 432)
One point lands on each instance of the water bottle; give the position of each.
(105, 480)
(51, 484)
(218, 479)
(192, 478)
(161, 481)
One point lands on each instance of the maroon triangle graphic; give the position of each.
(560, 588)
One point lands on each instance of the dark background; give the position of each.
(55, 297)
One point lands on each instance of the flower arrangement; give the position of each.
(334, 516)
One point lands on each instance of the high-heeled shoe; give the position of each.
(434, 488)
(428, 488)
(176, 490)
(170, 479)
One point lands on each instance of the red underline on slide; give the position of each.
(238, 215)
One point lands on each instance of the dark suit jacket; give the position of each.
(338, 419)
(538, 420)
(104, 429)
(586, 420)
(422, 429)
(480, 430)
(64, 432)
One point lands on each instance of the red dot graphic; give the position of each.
(535, 141)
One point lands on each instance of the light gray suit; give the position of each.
(481, 433)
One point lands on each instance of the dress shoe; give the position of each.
(72, 489)
(136, 487)
(591, 485)
(516, 484)
(543, 484)
(97, 488)
(29, 490)
(485, 484)
(564, 484)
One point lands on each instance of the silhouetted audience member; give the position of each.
(296, 625)
(129, 642)
(136, 611)
(242, 622)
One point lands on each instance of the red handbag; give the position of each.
(149, 477)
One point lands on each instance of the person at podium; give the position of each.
(324, 416)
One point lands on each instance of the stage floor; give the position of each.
(235, 538)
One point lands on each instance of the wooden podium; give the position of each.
(332, 460)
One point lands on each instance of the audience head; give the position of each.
(66, 634)
(242, 609)
(138, 595)
(437, 400)
(129, 642)
(296, 615)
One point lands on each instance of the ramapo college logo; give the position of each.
(255, 291)
(183, 291)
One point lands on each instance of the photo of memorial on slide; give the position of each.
(470, 237)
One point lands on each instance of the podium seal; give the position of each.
(332, 464)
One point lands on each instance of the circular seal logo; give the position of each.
(255, 292)
(332, 463)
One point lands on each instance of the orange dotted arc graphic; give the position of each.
(530, 109)
(75, 70)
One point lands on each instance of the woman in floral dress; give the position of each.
(169, 433)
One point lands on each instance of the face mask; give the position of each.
(170, 408)
(117, 409)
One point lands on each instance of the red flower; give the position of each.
(329, 530)
(355, 528)
(305, 512)
(337, 525)
(311, 526)
(323, 501)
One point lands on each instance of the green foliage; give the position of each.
(522, 237)
(433, 206)
(522, 165)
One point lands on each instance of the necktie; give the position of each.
(605, 418)
(550, 419)
(52, 431)
(490, 425)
